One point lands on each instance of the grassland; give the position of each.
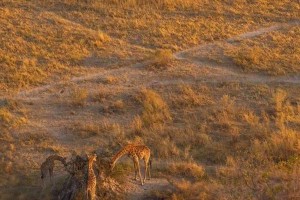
(214, 134)
(276, 53)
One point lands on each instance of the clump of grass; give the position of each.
(5, 116)
(280, 146)
(85, 130)
(275, 53)
(189, 170)
(11, 116)
(137, 125)
(103, 37)
(101, 95)
(162, 59)
(155, 109)
(21, 72)
(111, 80)
(117, 106)
(188, 97)
(78, 96)
(186, 189)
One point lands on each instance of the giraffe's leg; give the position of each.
(44, 183)
(44, 172)
(146, 169)
(93, 194)
(135, 170)
(138, 166)
(149, 168)
(87, 194)
(51, 176)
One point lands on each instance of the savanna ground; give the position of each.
(221, 119)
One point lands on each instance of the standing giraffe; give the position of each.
(91, 181)
(48, 165)
(136, 152)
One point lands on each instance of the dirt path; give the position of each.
(137, 192)
(236, 75)
(201, 58)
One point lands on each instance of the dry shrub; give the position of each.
(10, 116)
(229, 170)
(5, 116)
(155, 109)
(284, 111)
(113, 132)
(137, 125)
(204, 139)
(280, 146)
(117, 106)
(101, 38)
(227, 103)
(21, 72)
(101, 95)
(188, 170)
(283, 145)
(275, 53)
(162, 59)
(225, 116)
(111, 80)
(164, 147)
(264, 179)
(161, 4)
(213, 152)
(251, 119)
(78, 96)
(279, 98)
(201, 190)
(189, 97)
(85, 130)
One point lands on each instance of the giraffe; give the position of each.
(48, 165)
(136, 152)
(91, 181)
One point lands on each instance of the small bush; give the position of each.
(5, 116)
(137, 125)
(155, 110)
(162, 59)
(116, 107)
(191, 170)
(190, 98)
(111, 80)
(79, 96)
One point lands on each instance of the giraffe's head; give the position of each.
(92, 158)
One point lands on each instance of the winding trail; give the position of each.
(228, 73)
(229, 68)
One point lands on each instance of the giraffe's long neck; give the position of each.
(59, 158)
(118, 155)
(90, 170)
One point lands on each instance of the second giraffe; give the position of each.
(136, 152)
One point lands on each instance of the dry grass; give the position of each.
(78, 96)
(155, 110)
(38, 45)
(276, 53)
(212, 140)
(162, 59)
